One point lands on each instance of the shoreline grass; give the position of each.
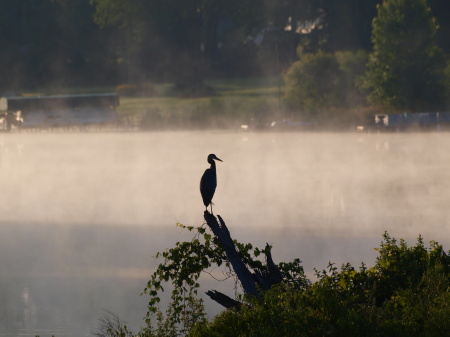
(236, 101)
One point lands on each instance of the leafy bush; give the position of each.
(406, 293)
(312, 83)
(324, 86)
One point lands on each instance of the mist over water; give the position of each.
(82, 214)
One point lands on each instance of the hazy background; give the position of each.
(82, 214)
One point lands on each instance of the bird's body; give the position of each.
(208, 183)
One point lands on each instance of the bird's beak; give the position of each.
(219, 159)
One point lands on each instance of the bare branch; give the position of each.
(223, 299)
(242, 272)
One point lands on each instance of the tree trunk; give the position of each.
(252, 283)
(221, 231)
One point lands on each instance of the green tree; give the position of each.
(175, 39)
(441, 11)
(312, 84)
(319, 83)
(405, 69)
(51, 43)
(353, 66)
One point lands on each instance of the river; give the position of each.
(83, 214)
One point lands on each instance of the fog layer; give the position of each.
(83, 213)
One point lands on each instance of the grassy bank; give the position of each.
(236, 102)
(226, 103)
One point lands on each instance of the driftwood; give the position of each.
(252, 282)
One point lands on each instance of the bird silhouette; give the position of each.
(208, 183)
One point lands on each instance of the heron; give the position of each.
(208, 183)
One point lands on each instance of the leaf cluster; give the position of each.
(405, 69)
(183, 265)
(406, 293)
(321, 82)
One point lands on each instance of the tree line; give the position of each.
(62, 43)
(79, 42)
(406, 70)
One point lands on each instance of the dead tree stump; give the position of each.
(252, 282)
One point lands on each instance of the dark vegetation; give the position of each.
(340, 61)
(406, 293)
(98, 42)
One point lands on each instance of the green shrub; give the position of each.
(406, 293)
(324, 86)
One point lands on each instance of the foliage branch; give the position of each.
(406, 293)
(184, 264)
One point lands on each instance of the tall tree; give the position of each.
(441, 11)
(405, 69)
(348, 23)
(174, 37)
(50, 42)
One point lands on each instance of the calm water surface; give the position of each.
(82, 214)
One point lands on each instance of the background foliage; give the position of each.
(130, 43)
(109, 41)
(406, 67)
(319, 82)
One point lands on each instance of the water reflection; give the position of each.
(28, 309)
(83, 214)
(54, 283)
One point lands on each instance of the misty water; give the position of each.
(82, 214)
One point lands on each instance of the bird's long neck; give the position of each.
(213, 165)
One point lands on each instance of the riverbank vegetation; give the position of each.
(335, 64)
(406, 293)
(234, 102)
